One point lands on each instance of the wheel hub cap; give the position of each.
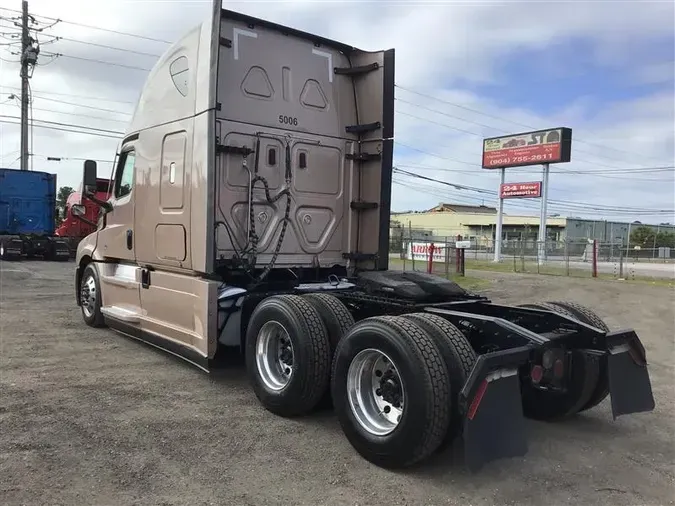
(274, 355)
(375, 392)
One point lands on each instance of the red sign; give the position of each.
(520, 190)
(531, 148)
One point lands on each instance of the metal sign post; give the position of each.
(541, 147)
(542, 217)
(500, 218)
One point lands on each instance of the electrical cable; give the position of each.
(512, 122)
(38, 94)
(567, 204)
(92, 27)
(64, 130)
(104, 46)
(102, 62)
(68, 125)
(56, 101)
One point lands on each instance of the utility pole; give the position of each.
(25, 45)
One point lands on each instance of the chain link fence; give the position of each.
(574, 258)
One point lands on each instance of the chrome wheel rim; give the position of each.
(274, 355)
(375, 391)
(88, 296)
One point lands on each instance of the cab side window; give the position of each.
(125, 179)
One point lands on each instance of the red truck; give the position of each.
(74, 228)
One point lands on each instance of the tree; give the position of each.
(642, 236)
(666, 239)
(647, 237)
(61, 199)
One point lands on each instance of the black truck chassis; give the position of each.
(510, 343)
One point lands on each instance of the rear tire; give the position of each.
(588, 316)
(334, 313)
(459, 358)
(549, 406)
(287, 355)
(338, 320)
(391, 391)
(90, 297)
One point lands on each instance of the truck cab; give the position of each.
(257, 155)
(74, 227)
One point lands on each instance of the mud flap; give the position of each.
(629, 384)
(494, 425)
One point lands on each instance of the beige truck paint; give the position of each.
(234, 81)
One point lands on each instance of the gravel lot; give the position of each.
(91, 417)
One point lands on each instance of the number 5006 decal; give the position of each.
(288, 120)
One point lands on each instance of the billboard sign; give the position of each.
(529, 148)
(520, 190)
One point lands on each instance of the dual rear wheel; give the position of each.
(392, 380)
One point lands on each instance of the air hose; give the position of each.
(253, 236)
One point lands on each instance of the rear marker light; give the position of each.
(547, 359)
(536, 373)
(558, 368)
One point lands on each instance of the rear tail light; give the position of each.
(536, 373)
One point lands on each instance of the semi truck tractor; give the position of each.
(249, 213)
(74, 227)
(28, 216)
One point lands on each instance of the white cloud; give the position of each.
(442, 50)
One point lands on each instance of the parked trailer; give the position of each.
(73, 228)
(27, 216)
(250, 211)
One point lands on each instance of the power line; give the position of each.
(69, 125)
(81, 115)
(570, 204)
(85, 106)
(83, 25)
(71, 158)
(589, 172)
(94, 134)
(514, 122)
(71, 95)
(93, 60)
(105, 46)
(479, 135)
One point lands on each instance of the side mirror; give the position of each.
(78, 210)
(89, 176)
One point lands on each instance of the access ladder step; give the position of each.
(363, 157)
(234, 150)
(366, 127)
(359, 257)
(356, 71)
(362, 206)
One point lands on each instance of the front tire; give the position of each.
(90, 297)
(391, 391)
(287, 355)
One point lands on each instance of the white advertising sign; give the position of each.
(420, 251)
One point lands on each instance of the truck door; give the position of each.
(120, 276)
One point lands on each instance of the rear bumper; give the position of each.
(490, 401)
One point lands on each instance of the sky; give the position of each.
(465, 70)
